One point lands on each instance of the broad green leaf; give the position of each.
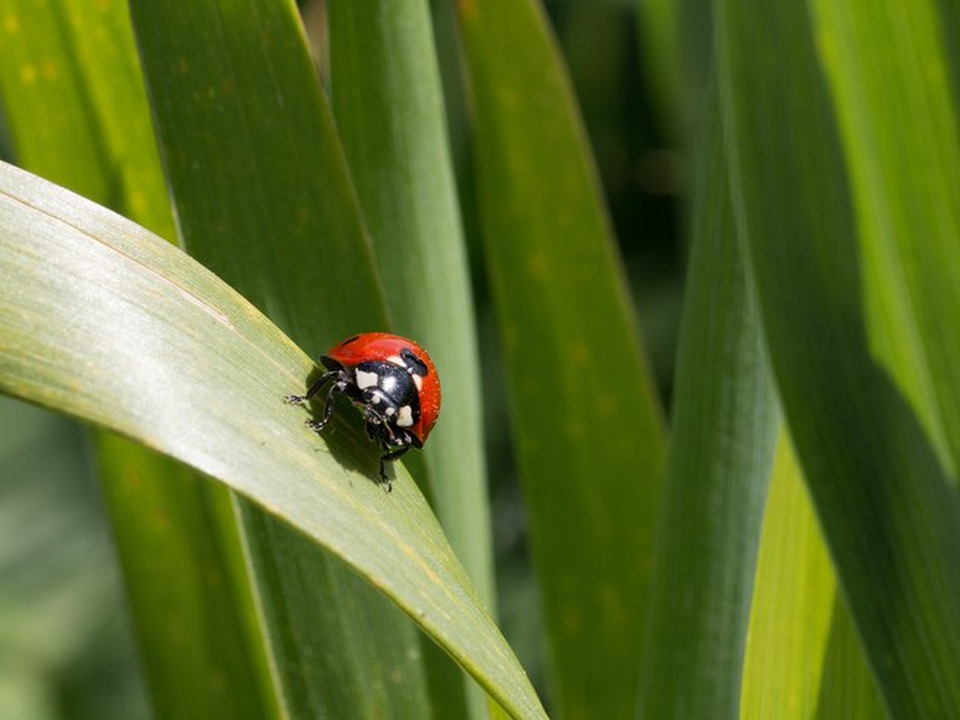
(86, 124)
(272, 211)
(389, 108)
(722, 442)
(889, 514)
(803, 659)
(192, 370)
(587, 425)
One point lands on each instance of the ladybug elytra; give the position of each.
(392, 380)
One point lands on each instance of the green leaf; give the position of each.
(36, 62)
(587, 425)
(889, 513)
(803, 659)
(721, 451)
(331, 664)
(659, 24)
(272, 211)
(85, 122)
(389, 108)
(199, 634)
(387, 99)
(192, 370)
(888, 71)
(792, 603)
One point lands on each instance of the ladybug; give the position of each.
(392, 380)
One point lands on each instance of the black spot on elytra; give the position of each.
(413, 363)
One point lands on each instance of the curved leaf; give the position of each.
(104, 321)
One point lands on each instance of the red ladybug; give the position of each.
(394, 382)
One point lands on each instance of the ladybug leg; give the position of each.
(314, 389)
(318, 425)
(392, 456)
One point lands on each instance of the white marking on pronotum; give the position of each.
(397, 360)
(366, 379)
(405, 418)
(418, 381)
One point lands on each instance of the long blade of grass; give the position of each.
(889, 514)
(80, 117)
(194, 371)
(721, 452)
(389, 108)
(272, 211)
(587, 424)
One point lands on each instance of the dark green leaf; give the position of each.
(721, 451)
(584, 414)
(889, 514)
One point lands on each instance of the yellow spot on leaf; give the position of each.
(11, 23)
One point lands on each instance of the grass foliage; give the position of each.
(204, 195)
